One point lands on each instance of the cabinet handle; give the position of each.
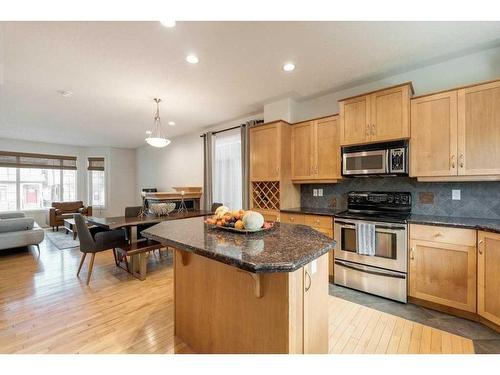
(461, 160)
(480, 248)
(412, 253)
(373, 129)
(277, 170)
(292, 218)
(453, 161)
(310, 281)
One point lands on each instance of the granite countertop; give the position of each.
(488, 225)
(313, 211)
(284, 248)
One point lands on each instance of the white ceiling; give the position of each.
(115, 69)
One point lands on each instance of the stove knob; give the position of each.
(390, 199)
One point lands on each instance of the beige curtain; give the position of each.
(208, 163)
(245, 161)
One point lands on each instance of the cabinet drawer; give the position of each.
(318, 221)
(269, 215)
(292, 218)
(458, 236)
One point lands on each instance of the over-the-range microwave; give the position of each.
(376, 159)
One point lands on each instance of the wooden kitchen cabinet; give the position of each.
(442, 266)
(488, 276)
(383, 115)
(455, 134)
(315, 151)
(265, 152)
(479, 130)
(433, 143)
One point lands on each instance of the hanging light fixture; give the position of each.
(156, 138)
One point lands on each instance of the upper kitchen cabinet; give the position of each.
(479, 130)
(315, 151)
(265, 152)
(433, 143)
(271, 186)
(455, 134)
(383, 115)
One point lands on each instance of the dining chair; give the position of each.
(216, 206)
(94, 240)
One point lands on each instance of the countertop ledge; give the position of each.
(284, 248)
(487, 225)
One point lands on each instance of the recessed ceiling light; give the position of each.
(168, 23)
(171, 123)
(65, 94)
(192, 59)
(288, 67)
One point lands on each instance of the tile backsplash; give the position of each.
(478, 199)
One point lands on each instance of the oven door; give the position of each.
(364, 162)
(390, 245)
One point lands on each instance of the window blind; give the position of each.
(95, 164)
(27, 160)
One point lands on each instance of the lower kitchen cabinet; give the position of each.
(442, 266)
(488, 276)
(323, 224)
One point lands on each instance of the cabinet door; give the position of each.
(302, 151)
(390, 114)
(315, 306)
(355, 120)
(327, 155)
(433, 143)
(265, 153)
(479, 130)
(443, 273)
(488, 276)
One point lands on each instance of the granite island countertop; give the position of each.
(284, 248)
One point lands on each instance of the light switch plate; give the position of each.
(455, 194)
(315, 192)
(320, 192)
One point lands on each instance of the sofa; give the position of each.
(65, 210)
(17, 230)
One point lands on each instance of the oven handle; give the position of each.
(370, 270)
(344, 224)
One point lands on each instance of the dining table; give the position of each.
(130, 224)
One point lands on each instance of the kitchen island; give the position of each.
(264, 292)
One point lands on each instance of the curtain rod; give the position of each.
(224, 130)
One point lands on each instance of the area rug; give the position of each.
(61, 240)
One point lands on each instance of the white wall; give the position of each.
(120, 166)
(178, 164)
(469, 69)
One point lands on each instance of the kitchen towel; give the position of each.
(365, 233)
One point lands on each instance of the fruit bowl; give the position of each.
(238, 221)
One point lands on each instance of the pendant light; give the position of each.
(156, 138)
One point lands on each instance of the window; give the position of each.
(26, 185)
(227, 176)
(97, 182)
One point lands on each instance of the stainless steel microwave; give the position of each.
(388, 158)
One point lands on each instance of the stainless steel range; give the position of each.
(377, 221)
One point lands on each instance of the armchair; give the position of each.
(66, 210)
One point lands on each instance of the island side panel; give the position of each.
(216, 310)
(316, 324)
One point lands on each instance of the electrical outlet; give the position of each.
(315, 192)
(455, 194)
(320, 192)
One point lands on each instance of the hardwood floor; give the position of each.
(359, 329)
(45, 308)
